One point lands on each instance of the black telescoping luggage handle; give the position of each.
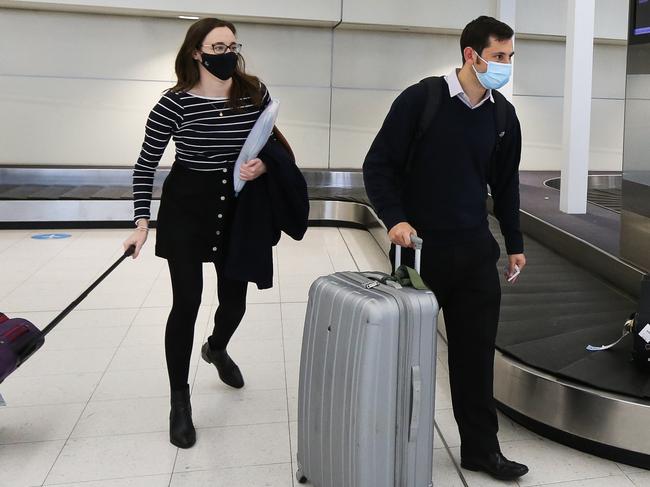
(83, 295)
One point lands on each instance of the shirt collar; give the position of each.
(456, 89)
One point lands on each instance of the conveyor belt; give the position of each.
(555, 310)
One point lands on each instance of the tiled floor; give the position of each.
(90, 409)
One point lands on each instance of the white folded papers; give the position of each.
(256, 140)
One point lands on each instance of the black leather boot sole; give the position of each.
(229, 373)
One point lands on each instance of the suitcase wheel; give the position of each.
(301, 477)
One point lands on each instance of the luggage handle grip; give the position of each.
(417, 241)
(416, 402)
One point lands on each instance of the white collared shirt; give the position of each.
(455, 89)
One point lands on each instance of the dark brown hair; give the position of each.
(187, 68)
(478, 32)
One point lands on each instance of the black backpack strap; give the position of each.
(501, 123)
(434, 86)
(500, 116)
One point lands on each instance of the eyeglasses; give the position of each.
(221, 48)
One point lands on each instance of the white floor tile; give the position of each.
(618, 481)
(152, 316)
(628, 469)
(257, 377)
(367, 254)
(49, 390)
(110, 457)
(293, 436)
(443, 394)
(73, 361)
(294, 311)
(38, 423)
(293, 374)
(292, 395)
(143, 357)
(246, 352)
(149, 481)
(103, 318)
(437, 440)
(444, 471)
(239, 407)
(123, 417)
(292, 349)
(270, 329)
(27, 464)
(293, 328)
(235, 446)
(139, 336)
(85, 338)
(133, 384)
(279, 475)
(640, 479)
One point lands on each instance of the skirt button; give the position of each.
(214, 249)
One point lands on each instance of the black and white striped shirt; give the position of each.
(208, 136)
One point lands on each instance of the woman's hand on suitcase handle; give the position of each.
(401, 233)
(138, 237)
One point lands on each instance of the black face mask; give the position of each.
(220, 65)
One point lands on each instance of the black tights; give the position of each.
(187, 287)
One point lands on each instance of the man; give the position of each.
(435, 186)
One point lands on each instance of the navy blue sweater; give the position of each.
(444, 196)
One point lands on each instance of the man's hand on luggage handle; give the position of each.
(401, 233)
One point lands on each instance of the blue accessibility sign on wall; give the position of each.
(50, 236)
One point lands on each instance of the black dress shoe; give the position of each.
(497, 466)
(181, 429)
(229, 373)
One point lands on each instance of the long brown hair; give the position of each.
(187, 68)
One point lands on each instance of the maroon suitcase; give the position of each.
(19, 338)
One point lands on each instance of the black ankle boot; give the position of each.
(229, 373)
(181, 429)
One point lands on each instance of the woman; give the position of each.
(209, 113)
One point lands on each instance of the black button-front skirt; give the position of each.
(195, 213)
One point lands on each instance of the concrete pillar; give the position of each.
(577, 105)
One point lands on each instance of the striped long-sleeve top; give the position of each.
(207, 133)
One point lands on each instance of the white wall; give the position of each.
(548, 17)
(440, 14)
(321, 11)
(84, 83)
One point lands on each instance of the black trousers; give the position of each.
(187, 287)
(465, 280)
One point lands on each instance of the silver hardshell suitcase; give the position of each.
(367, 383)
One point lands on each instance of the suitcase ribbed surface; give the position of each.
(360, 347)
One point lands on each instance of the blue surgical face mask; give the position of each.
(496, 76)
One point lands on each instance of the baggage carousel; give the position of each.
(572, 294)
